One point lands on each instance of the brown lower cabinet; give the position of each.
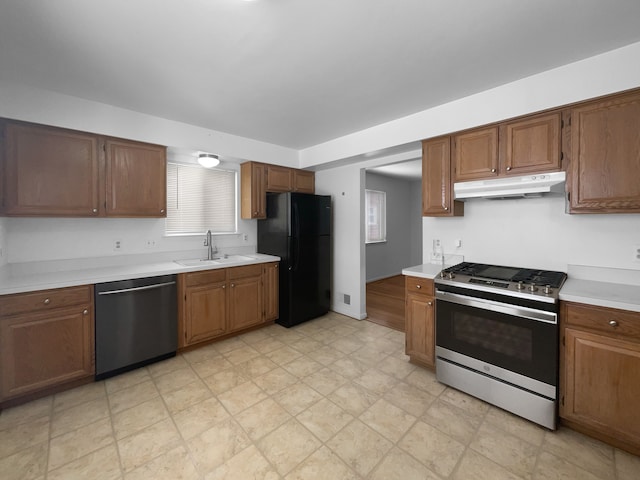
(600, 373)
(420, 320)
(46, 340)
(214, 303)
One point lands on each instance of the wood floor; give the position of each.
(385, 302)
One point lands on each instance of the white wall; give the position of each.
(3, 241)
(535, 232)
(389, 258)
(415, 228)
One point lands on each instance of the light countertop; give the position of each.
(604, 287)
(20, 278)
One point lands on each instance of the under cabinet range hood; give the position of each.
(534, 185)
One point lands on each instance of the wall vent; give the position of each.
(347, 299)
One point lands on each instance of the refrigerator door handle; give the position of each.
(295, 238)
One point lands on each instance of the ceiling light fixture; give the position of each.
(208, 160)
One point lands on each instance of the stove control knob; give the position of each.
(451, 276)
(532, 287)
(547, 289)
(520, 285)
(442, 274)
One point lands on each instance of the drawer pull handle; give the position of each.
(47, 301)
(418, 286)
(429, 303)
(613, 323)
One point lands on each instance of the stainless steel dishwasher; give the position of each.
(136, 323)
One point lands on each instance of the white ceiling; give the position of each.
(297, 72)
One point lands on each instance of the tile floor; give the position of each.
(331, 399)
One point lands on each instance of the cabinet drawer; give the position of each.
(207, 276)
(419, 285)
(44, 300)
(626, 323)
(245, 271)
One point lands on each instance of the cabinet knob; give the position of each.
(418, 286)
(95, 210)
(493, 170)
(162, 210)
(85, 312)
(233, 284)
(508, 169)
(430, 303)
(224, 286)
(613, 323)
(275, 266)
(47, 301)
(446, 208)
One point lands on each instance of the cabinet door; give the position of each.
(436, 180)
(304, 181)
(602, 384)
(271, 282)
(253, 201)
(475, 154)
(50, 171)
(531, 145)
(45, 349)
(136, 179)
(279, 179)
(206, 312)
(245, 302)
(605, 156)
(420, 339)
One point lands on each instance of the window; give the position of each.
(376, 216)
(200, 199)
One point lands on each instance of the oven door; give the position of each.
(513, 338)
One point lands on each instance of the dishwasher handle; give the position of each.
(137, 289)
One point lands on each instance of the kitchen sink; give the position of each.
(196, 262)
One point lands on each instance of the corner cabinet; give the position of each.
(136, 179)
(437, 186)
(600, 373)
(256, 179)
(46, 340)
(219, 302)
(51, 171)
(605, 156)
(420, 320)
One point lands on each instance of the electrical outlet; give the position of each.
(117, 245)
(0, 252)
(636, 253)
(150, 244)
(245, 237)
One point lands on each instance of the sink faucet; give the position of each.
(208, 242)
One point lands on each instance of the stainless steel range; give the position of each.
(497, 336)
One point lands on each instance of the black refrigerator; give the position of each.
(298, 230)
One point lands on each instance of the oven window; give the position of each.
(510, 340)
(518, 344)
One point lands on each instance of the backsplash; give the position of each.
(45, 239)
(535, 232)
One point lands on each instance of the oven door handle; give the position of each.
(514, 310)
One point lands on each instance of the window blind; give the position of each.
(376, 216)
(200, 199)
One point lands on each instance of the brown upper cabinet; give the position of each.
(279, 179)
(475, 154)
(437, 195)
(259, 178)
(52, 171)
(605, 156)
(136, 179)
(518, 147)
